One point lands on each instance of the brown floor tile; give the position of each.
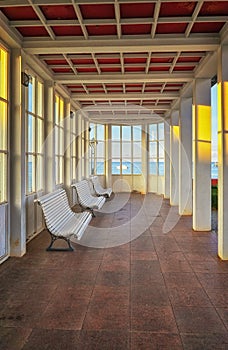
(198, 320)
(153, 295)
(155, 341)
(110, 315)
(152, 318)
(12, 338)
(105, 340)
(213, 280)
(181, 279)
(209, 341)
(218, 297)
(143, 255)
(174, 262)
(55, 339)
(188, 296)
(113, 278)
(223, 312)
(147, 279)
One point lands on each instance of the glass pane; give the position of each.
(57, 170)
(73, 168)
(153, 132)
(137, 133)
(161, 167)
(100, 149)
(161, 149)
(56, 132)
(153, 167)
(40, 99)
(3, 73)
(100, 132)
(92, 133)
(39, 173)
(153, 149)
(61, 169)
(61, 141)
(115, 149)
(126, 133)
(56, 114)
(3, 125)
(126, 167)
(161, 131)
(31, 133)
(115, 132)
(116, 167)
(126, 150)
(3, 177)
(30, 173)
(61, 110)
(31, 95)
(40, 131)
(137, 167)
(100, 166)
(137, 151)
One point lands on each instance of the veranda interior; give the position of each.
(118, 88)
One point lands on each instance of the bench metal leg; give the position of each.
(53, 239)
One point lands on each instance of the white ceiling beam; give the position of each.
(80, 19)
(172, 44)
(117, 15)
(124, 78)
(125, 96)
(156, 15)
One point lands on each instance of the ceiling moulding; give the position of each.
(64, 45)
(124, 78)
(10, 36)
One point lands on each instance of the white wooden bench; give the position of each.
(60, 220)
(85, 199)
(99, 190)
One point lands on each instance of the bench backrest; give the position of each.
(96, 184)
(56, 209)
(83, 191)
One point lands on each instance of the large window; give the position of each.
(59, 139)
(35, 136)
(73, 146)
(156, 149)
(3, 124)
(97, 149)
(126, 150)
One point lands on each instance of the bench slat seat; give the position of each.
(85, 198)
(99, 190)
(60, 220)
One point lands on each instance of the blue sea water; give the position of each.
(127, 169)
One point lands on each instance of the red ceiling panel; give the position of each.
(62, 70)
(133, 10)
(189, 59)
(101, 29)
(32, 31)
(87, 70)
(56, 62)
(161, 59)
(177, 9)
(67, 30)
(52, 12)
(115, 91)
(114, 85)
(133, 85)
(152, 90)
(108, 60)
(184, 68)
(210, 27)
(135, 29)
(171, 28)
(97, 11)
(79, 61)
(19, 13)
(215, 8)
(75, 86)
(158, 69)
(134, 69)
(110, 69)
(94, 86)
(135, 59)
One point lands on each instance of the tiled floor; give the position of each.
(159, 291)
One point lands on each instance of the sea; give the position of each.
(128, 168)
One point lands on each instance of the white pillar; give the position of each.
(108, 156)
(202, 155)
(185, 157)
(67, 149)
(223, 153)
(144, 146)
(17, 160)
(174, 158)
(167, 159)
(49, 136)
